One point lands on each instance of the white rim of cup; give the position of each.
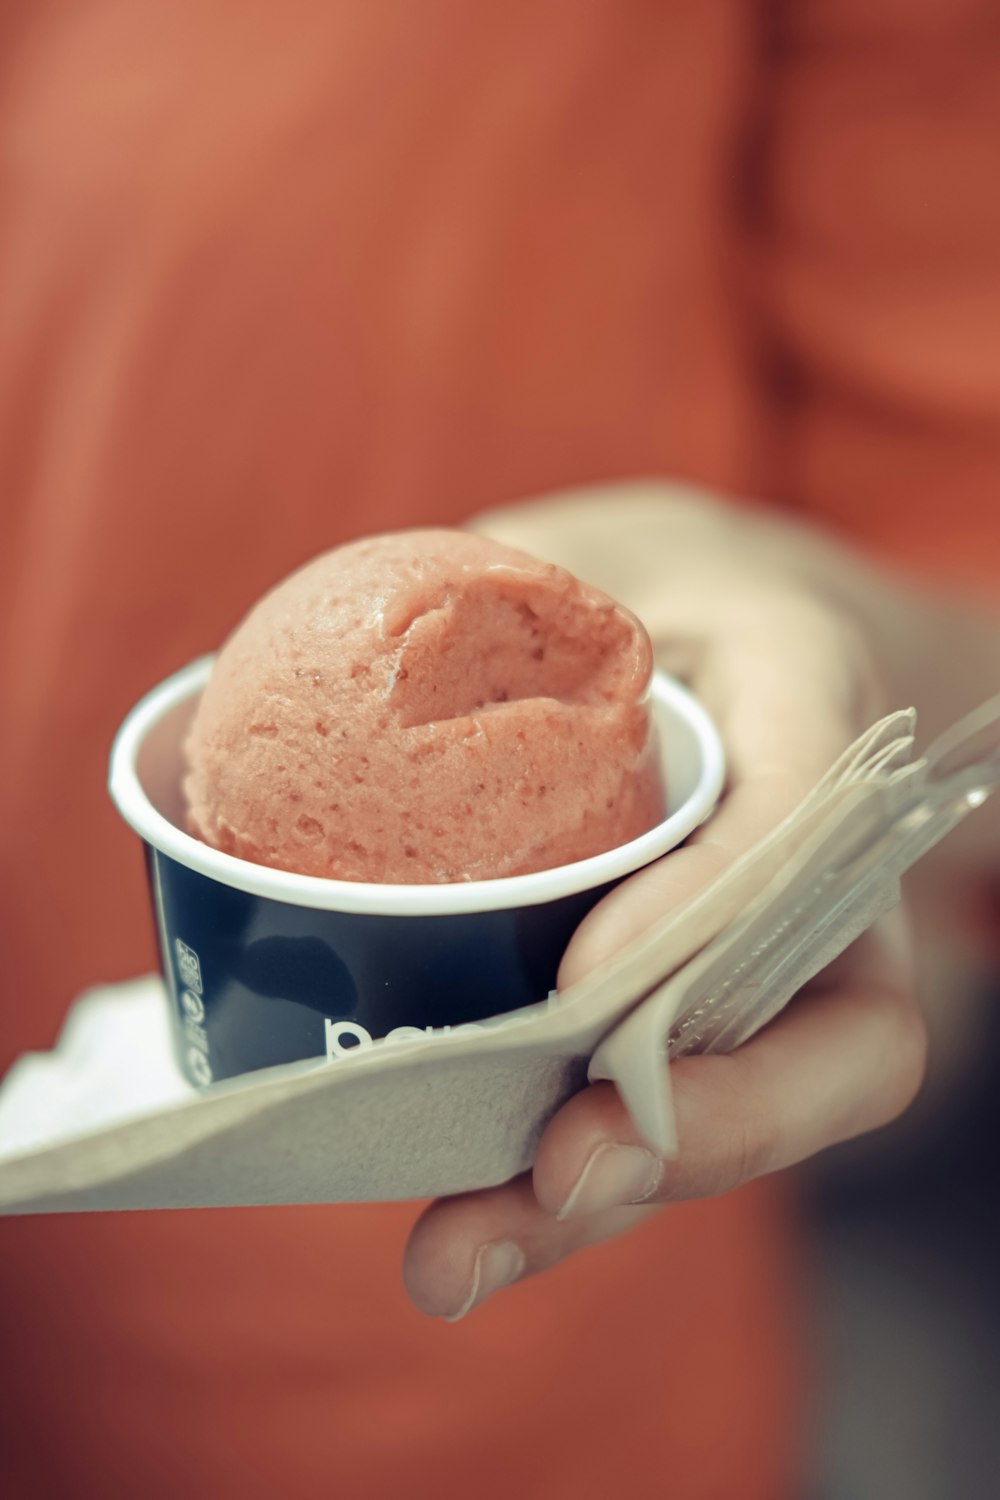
(506, 892)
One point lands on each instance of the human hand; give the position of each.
(790, 682)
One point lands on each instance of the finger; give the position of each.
(846, 1057)
(464, 1250)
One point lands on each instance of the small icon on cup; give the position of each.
(199, 1066)
(194, 1005)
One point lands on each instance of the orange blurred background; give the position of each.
(276, 275)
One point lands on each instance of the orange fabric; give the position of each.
(880, 231)
(275, 275)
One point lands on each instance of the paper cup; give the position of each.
(267, 967)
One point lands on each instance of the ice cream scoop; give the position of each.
(424, 707)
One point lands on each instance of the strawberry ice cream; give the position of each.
(424, 707)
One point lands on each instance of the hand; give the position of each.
(790, 683)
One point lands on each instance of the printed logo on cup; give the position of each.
(349, 1036)
(193, 1012)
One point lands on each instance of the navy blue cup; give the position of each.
(266, 967)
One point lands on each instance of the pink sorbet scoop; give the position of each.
(422, 707)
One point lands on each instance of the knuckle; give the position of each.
(866, 689)
(846, 646)
(906, 1055)
(744, 1159)
(845, 642)
(743, 1135)
(902, 1057)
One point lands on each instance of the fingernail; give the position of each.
(613, 1177)
(496, 1266)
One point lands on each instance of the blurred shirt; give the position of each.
(272, 276)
